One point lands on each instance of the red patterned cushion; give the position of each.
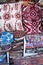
(31, 19)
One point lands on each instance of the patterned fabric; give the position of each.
(34, 40)
(10, 17)
(31, 18)
(18, 33)
(6, 38)
(42, 12)
(42, 16)
(2, 58)
(5, 47)
(29, 61)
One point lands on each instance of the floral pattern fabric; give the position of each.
(10, 17)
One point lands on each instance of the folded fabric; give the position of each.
(31, 18)
(34, 41)
(29, 61)
(2, 58)
(5, 47)
(10, 17)
(18, 33)
(6, 38)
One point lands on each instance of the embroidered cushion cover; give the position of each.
(31, 18)
(10, 17)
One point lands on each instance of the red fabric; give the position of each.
(40, 60)
(29, 61)
(31, 19)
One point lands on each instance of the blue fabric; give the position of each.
(2, 58)
(7, 38)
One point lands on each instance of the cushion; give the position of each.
(6, 38)
(31, 18)
(10, 17)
